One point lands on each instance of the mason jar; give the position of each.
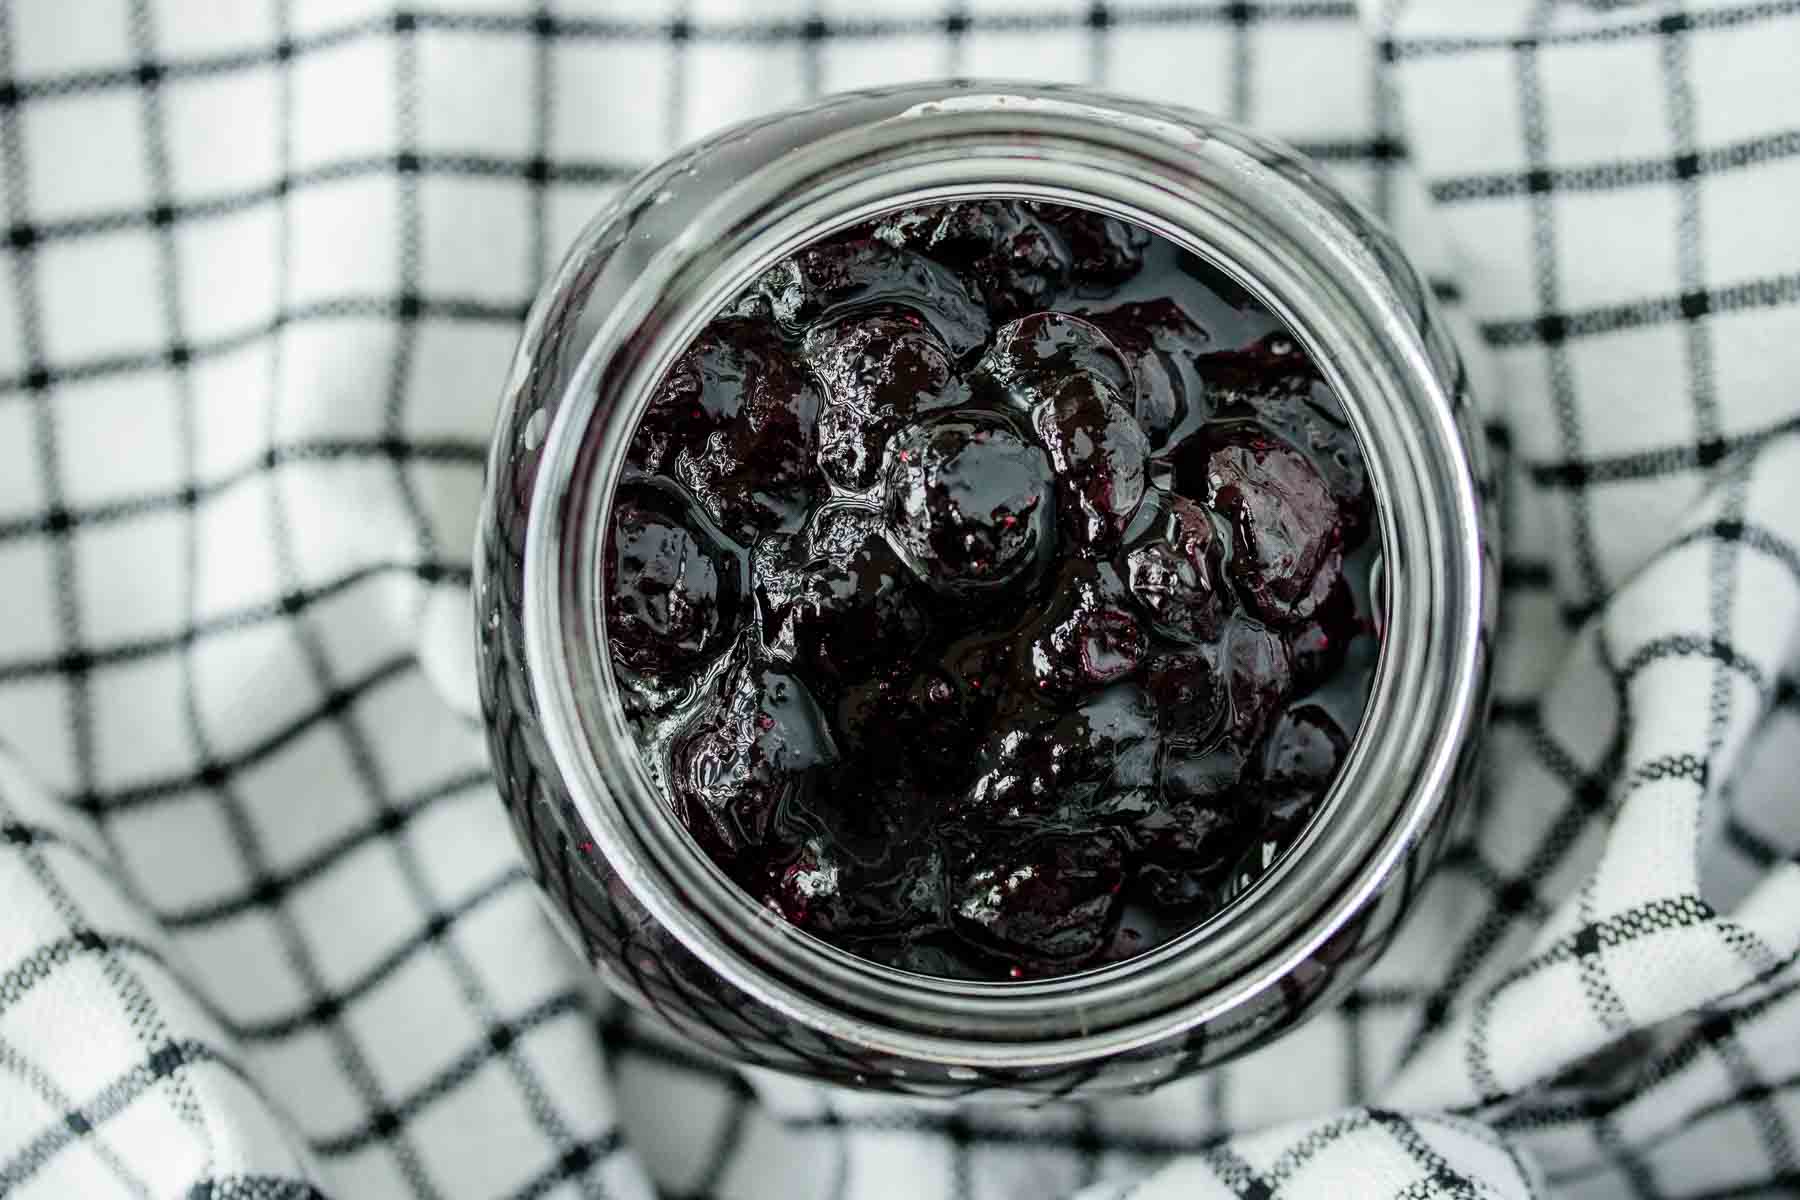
(636, 897)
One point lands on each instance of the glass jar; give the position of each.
(660, 923)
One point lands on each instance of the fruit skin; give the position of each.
(1043, 903)
(1190, 694)
(1258, 676)
(756, 745)
(1102, 249)
(1271, 383)
(1100, 454)
(1161, 344)
(736, 422)
(827, 892)
(1087, 637)
(842, 603)
(1208, 778)
(969, 502)
(674, 586)
(1301, 756)
(863, 275)
(1188, 842)
(1186, 847)
(864, 866)
(1002, 246)
(1176, 572)
(880, 374)
(1288, 543)
(1318, 645)
(1071, 767)
(1031, 356)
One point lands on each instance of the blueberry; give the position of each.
(1088, 636)
(969, 502)
(1258, 678)
(736, 422)
(864, 867)
(671, 585)
(756, 745)
(1190, 693)
(1177, 572)
(1001, 245)
(1066, 767)
(849, 605)
(1207, 778)
(1286, 522)
(1273, 383)
(1185, 846)
(1047, 903)
(701, 394)
(826, 892)
(1032, 355)
(1160, 343)
(1318, 645)
(880, 373)
(1189, 844)
(1102, 249)
(861, 275)
(734, 369)
(1100, 455)
(1299, 759)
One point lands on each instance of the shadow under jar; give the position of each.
(1316, 343)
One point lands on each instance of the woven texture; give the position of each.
(263, 932)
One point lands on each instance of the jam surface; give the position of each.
(988, 589)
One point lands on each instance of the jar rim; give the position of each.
(1245, 205)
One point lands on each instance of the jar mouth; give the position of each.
(1258, 214)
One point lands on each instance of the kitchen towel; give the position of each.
(263, 931)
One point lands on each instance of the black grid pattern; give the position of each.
(263, 269)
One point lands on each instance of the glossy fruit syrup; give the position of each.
(988, 589)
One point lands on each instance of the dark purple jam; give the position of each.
(989, 589)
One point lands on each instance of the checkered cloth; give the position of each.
(263, 932)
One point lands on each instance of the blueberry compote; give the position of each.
(988, 589)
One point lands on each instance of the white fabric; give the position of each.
(263, 931)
